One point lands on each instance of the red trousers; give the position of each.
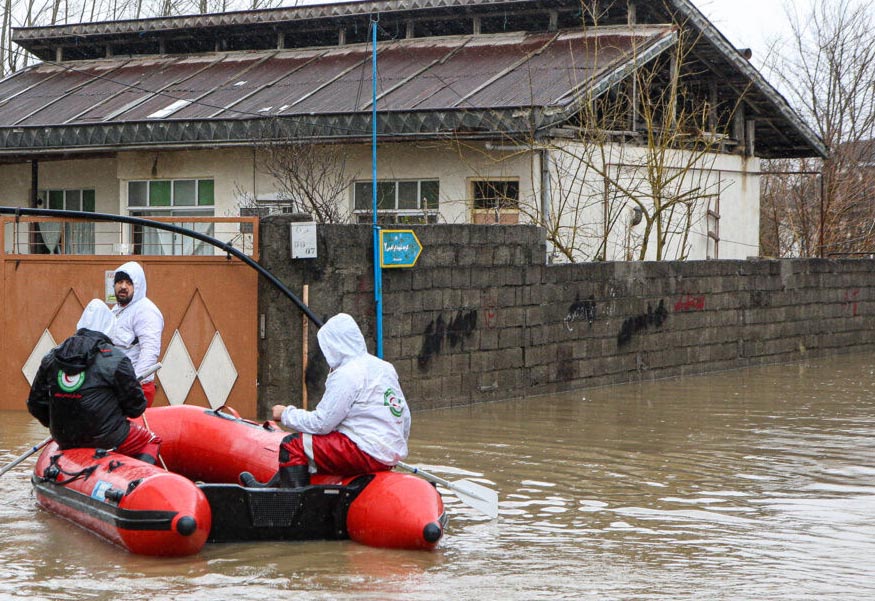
(140, 441)
(333, 453)
(148, 392)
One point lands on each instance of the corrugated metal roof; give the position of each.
(780, 132)
(502, 71)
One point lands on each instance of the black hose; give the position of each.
(169, 227)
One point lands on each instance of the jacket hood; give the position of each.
(77, 352)
(341, 340)
(138, 279)
(98, 318)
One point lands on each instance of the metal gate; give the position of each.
(210, 303)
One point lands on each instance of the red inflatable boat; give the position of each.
(152, 511)
(133, 504)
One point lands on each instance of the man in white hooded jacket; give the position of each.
(360, 425)
(139, 323)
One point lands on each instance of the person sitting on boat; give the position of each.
(360, 425)
(140, 323)
(86, 389)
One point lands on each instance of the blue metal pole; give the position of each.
(378, 270)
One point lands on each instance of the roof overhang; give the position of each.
(758, 92)
(27, 142)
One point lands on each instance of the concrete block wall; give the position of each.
(481, 317)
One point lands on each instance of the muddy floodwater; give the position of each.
(754, 484)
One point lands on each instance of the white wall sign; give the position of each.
(303, 240)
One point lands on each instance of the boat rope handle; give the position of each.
(51, 473)
(230, 410)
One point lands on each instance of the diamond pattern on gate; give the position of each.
(197, 338)
(177, 371)
(63, 323)
(217, 373)
(45, 343)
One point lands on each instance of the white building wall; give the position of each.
(740, 210)
(231, 170)
(238, 180)
(453, 165)
(96, 174)
(725, 183)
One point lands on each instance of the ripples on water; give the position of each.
(742, 485)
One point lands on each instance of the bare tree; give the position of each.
(6, 63)
(652, 144)
(827, 72)
(632, 174)
(790, 192)
(310, 178)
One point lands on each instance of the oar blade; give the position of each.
(484, 500)
(481, 498)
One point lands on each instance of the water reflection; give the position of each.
(759, 483)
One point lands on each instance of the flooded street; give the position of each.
(754, 484)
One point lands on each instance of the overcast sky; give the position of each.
(750, 23)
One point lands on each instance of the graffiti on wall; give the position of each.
(488, 300)
(580, 310)
(688, 302)
(852, 300)
(439, 333)
(635, 324)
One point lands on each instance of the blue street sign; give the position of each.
(399, 248)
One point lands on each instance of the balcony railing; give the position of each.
(59, 236)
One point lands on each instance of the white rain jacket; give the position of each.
(362, 399)
(139, 324)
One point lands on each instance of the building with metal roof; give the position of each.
(475, 100)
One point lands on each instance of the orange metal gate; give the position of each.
(209, 344)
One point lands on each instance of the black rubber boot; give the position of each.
(294, 476)
(249, 481)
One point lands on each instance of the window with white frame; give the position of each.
(73, 238)
(712, 220)
(495, 200)
(398, 201)
(171, 198)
